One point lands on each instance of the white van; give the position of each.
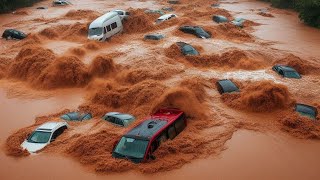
(122, 13)
(105, 26)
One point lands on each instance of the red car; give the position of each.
(139, 144)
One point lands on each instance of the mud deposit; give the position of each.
(128, 74)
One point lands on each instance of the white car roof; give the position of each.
(98, 22)
(165, 16)
(50, 126)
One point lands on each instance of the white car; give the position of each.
(165, 18)
(122, 13)
(43, 135)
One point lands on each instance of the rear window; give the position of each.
(306, 110)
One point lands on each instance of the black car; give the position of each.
(187, 49)
(219, 19)
(13, 34)
(196, 30)
(226, 86)
(286, 71)
(306, 110)
(154, 36)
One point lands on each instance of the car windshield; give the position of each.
(291, 74)
(95, 31)
(306, 111)
(39, 137)
(131, 148)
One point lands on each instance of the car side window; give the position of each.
(114, 25)
(172, 132)
(109, 28)
(180, 124)
(281, 72)
(58, 132)
(120, 12)
(118, 121)
(105, 30)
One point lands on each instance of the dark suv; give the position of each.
(195, 30)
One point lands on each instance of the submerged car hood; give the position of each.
(32, 147)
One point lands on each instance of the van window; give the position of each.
(120, 12)
(105, 30)
(172, 132)
(109, 28)
(180, 124)
(127, 13)
(114, 25)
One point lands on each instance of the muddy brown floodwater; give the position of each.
(253, 134)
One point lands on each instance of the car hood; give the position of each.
(32, 147)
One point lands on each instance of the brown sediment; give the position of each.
(300, 126)
(264, 96)
(14, 141)
(4, 63)
(78, 51)
(101, 66)
(301, 65)
(93, 45)
(139, 22)
(20, 12)
(82, 13)
(229, 31)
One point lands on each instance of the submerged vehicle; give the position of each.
(187, 49)
(306, 110)
(76, 116)
(286, 71)
(168, 9)
(13, 34)
(238, 22)
(139, 144)
(226, 86)
(44, 135)
(154, 11)
(105, 26)
(154, 36)
(119, 119)
(195, 30)
(122, 13)
(60, 3)
(219, 19)
(165, 18)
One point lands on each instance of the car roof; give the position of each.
(98, 22)
(227, 85)
(50, 126)
(152, 125)
(165, 16)
(286, 68)
(121, 116)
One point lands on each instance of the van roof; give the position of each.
(165, 16)
(100, 20)
(155, 123)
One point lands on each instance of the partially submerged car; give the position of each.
(105, 26)
(169, 9)
(122, 13)
(187, 49)
(238, 22)
(149, 11)
(60, 3)
(306, 110)
(13, 34)
(119, 119)
(139, 144)
(76, 116)
(165, 18)
(173, 1)
(153, 37)
(44, 135)
(219, 19)
(226, 86)
(41, 7)
(195, 30)
(286, 71)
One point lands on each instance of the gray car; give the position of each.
(119, 119)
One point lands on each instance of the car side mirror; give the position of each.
(152, 157)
